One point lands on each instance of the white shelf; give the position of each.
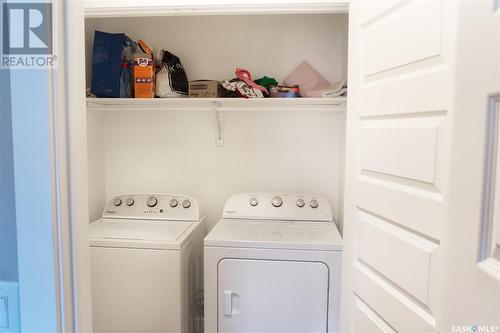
(103, 9)
(218, 106)
(337, 104)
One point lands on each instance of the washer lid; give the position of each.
(273, 234)
(139, 233)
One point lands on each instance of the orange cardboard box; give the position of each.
(144, 75)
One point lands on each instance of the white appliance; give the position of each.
(272, 264)
(146, 259)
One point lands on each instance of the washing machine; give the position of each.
(147, 267)
(273, 264)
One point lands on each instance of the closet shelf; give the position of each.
(337, 104)
(106, 9)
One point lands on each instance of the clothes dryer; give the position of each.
(272, 264)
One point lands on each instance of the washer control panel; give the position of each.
(153, 206)
(278, 206)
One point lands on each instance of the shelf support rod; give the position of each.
(219, 118)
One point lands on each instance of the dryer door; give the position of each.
(272, 296)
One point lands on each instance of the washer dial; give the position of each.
(117, 202)
(174, 203)
(186, 204)
(301, 203)
(129, 202)
(151, 202)
(254, 202)
(314, 203)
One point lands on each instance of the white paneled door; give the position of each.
(421, 254)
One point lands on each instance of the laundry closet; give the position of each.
(270, 144)
(383, 157)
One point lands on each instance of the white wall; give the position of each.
(174, 151)
(96, 164)
(211, 47)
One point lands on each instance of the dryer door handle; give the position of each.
(231, 303)
(228, 302)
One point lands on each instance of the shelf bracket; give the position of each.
(219, 118)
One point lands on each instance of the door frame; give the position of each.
(69, 156)
(487, 251)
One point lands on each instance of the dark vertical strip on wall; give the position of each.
(8, 237)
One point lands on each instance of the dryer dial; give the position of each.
(186, 204)
(277, 201)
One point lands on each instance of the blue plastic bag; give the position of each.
(106, 63)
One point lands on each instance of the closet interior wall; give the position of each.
(264, 150)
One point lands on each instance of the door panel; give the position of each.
(365, 320)
(377, 241)
(394, 29)
(272, 296)
(394, 200)
(419, 80)
(408, 146)
(425, 92)
(395, 306)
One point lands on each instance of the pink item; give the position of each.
(307, 78)
(246, 77)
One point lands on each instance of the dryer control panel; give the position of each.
(278, 206)
(153, 206)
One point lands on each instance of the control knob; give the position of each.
(277, 201)
(129, 202)
(314, 203)
(117, 202)
(301, 203)
(174, 203)
(186, 204)
(254, 202)
(151, 202)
